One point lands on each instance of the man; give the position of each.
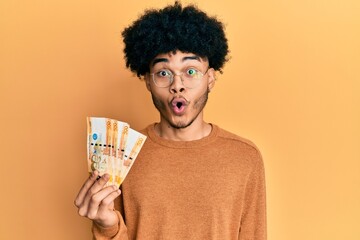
(192, 179)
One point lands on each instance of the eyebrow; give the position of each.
(157, 60)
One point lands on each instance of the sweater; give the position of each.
(206, 189)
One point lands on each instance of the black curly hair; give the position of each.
(172, 28)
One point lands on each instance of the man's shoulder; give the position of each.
(239, 149)
(236, 139)
(145, 130)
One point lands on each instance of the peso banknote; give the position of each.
(112, 147)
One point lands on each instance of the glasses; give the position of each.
(190, 78)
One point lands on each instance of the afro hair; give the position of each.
(173, 28)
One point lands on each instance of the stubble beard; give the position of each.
(198, 106)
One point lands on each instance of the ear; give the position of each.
(211, 79)
(147, 81)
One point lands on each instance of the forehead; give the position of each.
(176, 57)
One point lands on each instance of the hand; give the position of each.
(96, 202)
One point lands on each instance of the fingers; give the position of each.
(84, 189)
(97, 186)
(101, 202)
(96, 202)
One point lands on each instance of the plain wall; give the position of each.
(291, 86)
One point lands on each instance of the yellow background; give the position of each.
(291, 86)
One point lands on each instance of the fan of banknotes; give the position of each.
(112, 148)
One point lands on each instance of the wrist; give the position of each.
(109, 229)
(112, 220)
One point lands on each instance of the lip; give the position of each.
(178, 105)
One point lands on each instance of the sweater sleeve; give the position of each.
(253, 223)
(116, 232)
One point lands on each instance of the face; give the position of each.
(178, 105)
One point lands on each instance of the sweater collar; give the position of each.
(150, 132)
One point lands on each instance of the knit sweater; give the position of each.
(212, 188)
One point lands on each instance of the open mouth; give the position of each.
(178, 105)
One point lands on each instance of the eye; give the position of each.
(163, 73)
(192, 72)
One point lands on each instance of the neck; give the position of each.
(196, 131)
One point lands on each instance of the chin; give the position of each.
(180, 124)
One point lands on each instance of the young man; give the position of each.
(192, 179)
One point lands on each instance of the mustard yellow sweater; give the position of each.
(212, 188)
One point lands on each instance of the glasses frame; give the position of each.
(172, 75)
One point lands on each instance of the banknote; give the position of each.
(134, 143)
(112, 147)
(99, 139)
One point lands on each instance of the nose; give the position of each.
(177, 85)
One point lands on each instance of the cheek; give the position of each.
(200, 102)
(157, 102)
